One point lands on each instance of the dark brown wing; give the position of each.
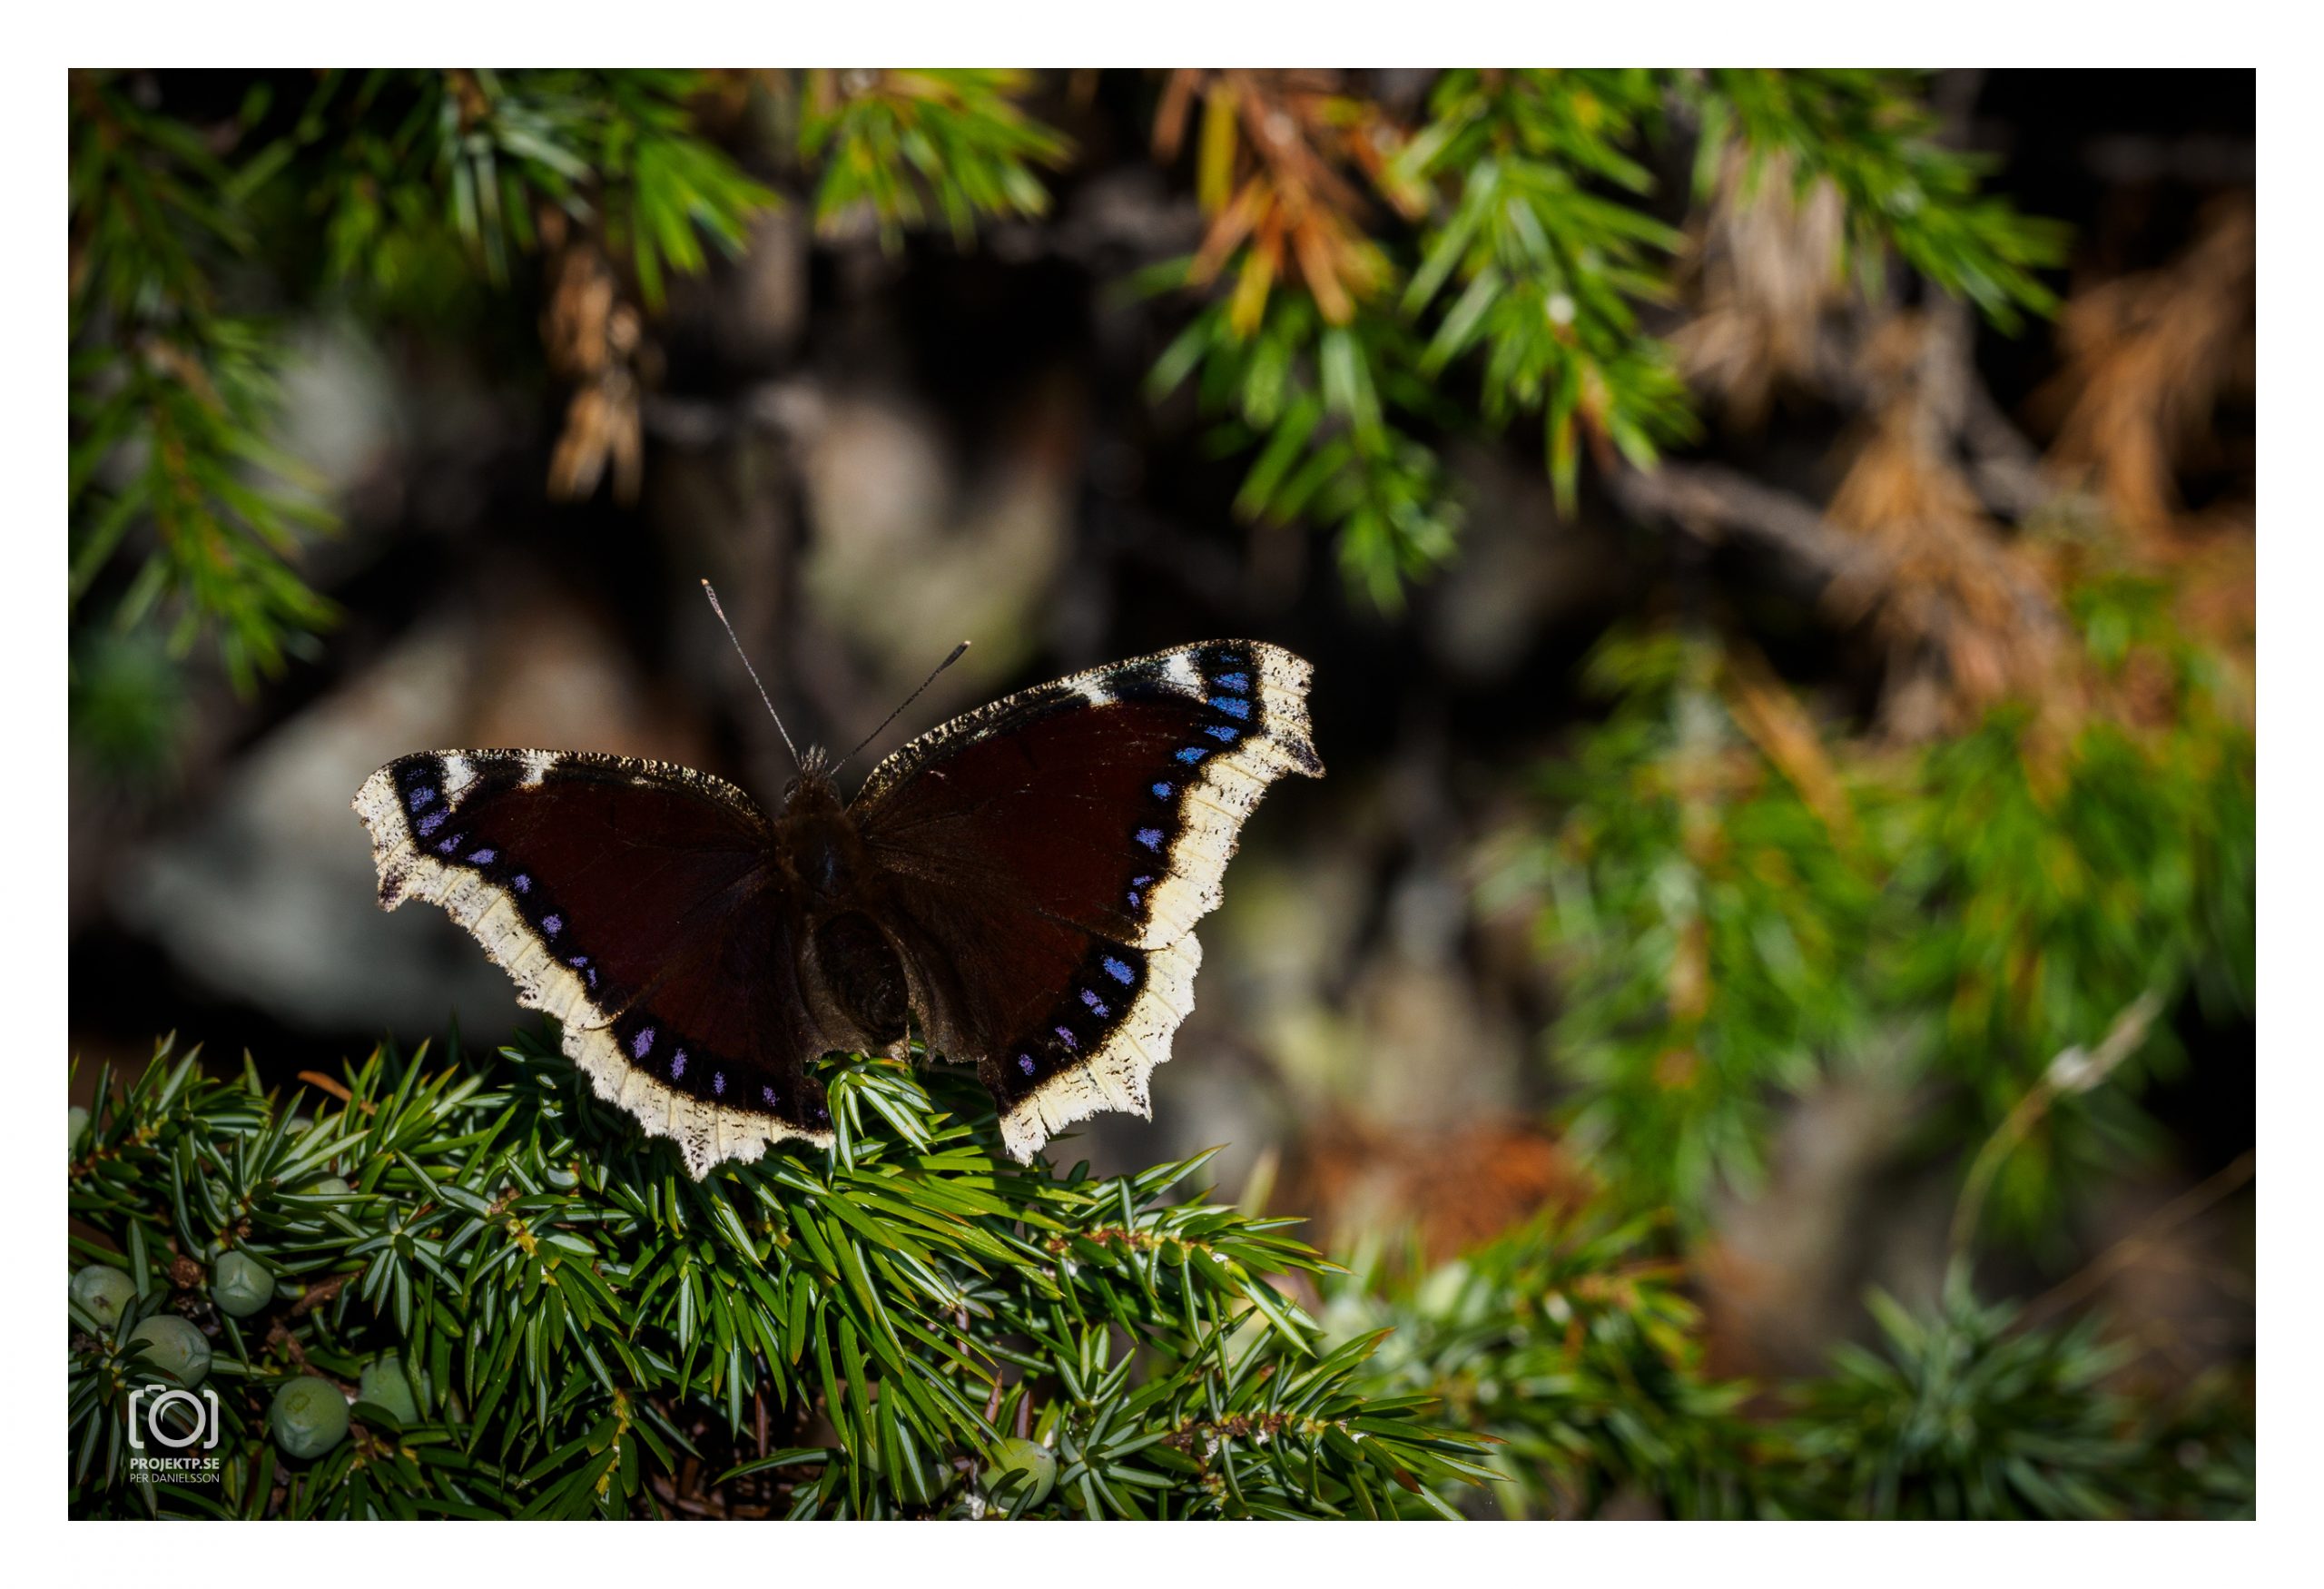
(1045, 860)
(638, 903)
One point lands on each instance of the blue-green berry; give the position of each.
(103, 1291)
(383, 1385)
(173, 1346)
(239, 1284)
(1020, 1476)
(309, 1417)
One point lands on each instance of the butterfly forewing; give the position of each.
(636, 903)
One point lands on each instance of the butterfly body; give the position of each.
(1020, 884)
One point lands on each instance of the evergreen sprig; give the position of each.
(1314, 400)
(414, 165)
(1572, 1340)
(1868, 134)
(420, 178)
(1539, 272)
(1959, 1416)
(583, 1330)
(897, 144)
(173, 398)
(1520, 240)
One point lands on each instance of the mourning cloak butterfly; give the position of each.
(1022, 882)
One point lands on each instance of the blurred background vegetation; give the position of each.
(1763, 1004)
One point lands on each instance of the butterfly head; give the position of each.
(812, 788)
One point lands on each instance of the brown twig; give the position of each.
(315, 1296)
(323, 1083)
(1711, 503)
(2195, 1200)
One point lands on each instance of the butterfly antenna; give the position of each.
(959, 651)
(753, 672)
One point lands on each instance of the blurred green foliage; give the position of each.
(1959, 1417)
(412, 168)
(173, 396)
(1868, 134)
(1705, 924)
(1306, 394)
(191, 240)
(1731, 918)
(125, 698)
(177, 352)
(900, 144)
(1574, 1342)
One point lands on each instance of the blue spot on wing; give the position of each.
(1223, 734)
(1151, 837)
(1119, 972)
(1161, 791)
(1096, 1005)
(1193, 754)
(1240, 683)
(1231, 706)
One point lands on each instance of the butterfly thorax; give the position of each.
(817, 840)
(853, 981)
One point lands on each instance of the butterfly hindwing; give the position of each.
(633, 901)
(1049, 854)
